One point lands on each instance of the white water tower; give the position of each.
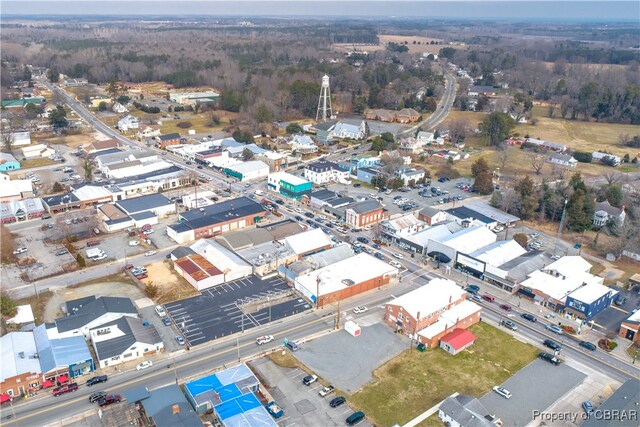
(324, 103)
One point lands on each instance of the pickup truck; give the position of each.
(309, 379)
(326, 390)
(67, 388)
(274, 409)
(264, 339)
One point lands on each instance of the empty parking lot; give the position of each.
(217, 311)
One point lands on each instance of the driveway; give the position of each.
(611, 317)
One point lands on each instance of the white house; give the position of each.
(123, 340)
(563, 160)
(128, 122)
(602, 157)
(346, 130)
(402, 225)
(425, 138)
(604, 212)
(410, 145)
(324, 172)
(303, 144)
(410, 175)
(148, 132)
(119, 108)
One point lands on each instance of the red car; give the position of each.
(67, 388)
(488, 298)
(142, 276)
(127, 267)
(505, 307)
(109, 399)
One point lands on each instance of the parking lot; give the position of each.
(612, 316)
(302, 404)
(346, 361)
(216, 312)
(535, 387)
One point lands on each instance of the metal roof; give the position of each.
(143, 203)
(80, 316)
(132, 330)
(60, 352)
(464, 212)
(17, 351)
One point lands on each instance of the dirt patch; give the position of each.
(60, 296)
(171, 286)
(7, 245)
(72, 141)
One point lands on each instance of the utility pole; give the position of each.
(338, 316)
(560, 227)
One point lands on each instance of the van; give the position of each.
(292, 346)
(355, 418)
(258, 192)
(555, 329)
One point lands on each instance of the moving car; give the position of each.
(488, 298)
(529, 317)
(502, 392)
(395, 264)
(337, 401)
(109, 399)
(505, 307)
(97, 396)
(360, 309)
(160, 311)
(20, 251)
(588, 345)
(552, 345)
(144, 365)
(397, 255)
(509, 324)
(549, 358)
(555, 329)
(309, 379)
(474, 289)
(96, 380)
(327, 390)
(264, 339)
(378, 255)
(292, 346)
(149, 253)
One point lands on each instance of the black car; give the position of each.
(308, 214)
(199, 166)
(552, 345)
(337, 401)
(356, 185)
(299, 218)
(97, 380)
(620, 300)
(329, 225)
(549, 358)
(529, 317)
(280, 201)
(97, 396)
(588, 345)
(363, 240)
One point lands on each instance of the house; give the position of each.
(604, 212)
(119, 108)
(324, 172)
(432, 216)
(481, 91)
(20, 210)
(407, 115)
(128, 122)
(247, 171)
(566, 160)
(468, 217)
(19, 139)
(21, 373)
(62, 357)
(456, 341)
(605, 158)
(401, 225)
(303, 144)
(163, 407)
(547, 145)
(149, 131)
(8, 162)
(276, 161)
(98, 146)
(123, 340)
(170, 139)
(410, 145)
(432, 311)
(84, 314)
(366, 174)
(425, 138)
(345, 130)
(37, 151)
(410, 176)
(290, 186)
(364, 213)
(461, 410)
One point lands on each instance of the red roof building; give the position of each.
(456, 341)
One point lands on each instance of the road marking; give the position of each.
(619, 309)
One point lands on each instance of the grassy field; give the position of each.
(413, 382)
(34, 163)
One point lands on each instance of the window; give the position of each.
(400, 316)
(390, 308)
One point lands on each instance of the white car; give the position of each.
(395, 264)
(298, 210)
(502, 392)
(367, 227)
(397, 255)
(149, 253)
(20, 251)
(361, 309)
(264, 339)
(161, 311)
(134, 242)
(144, 365)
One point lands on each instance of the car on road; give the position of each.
(96, 380)
(292, 346)
(505, 307)
(362, 239)
(144, 365)
(588, 407)
(309, 379)
(555, 329)
(265, 339)
(360, 309)
(473, 289)
(337, 401)
(180, 340)
(160, 311)
(166, 321)
(552, 345)
(397, 255)
(488, 298)
(109, 399)
(588, 345)
(150, 253)
(376, 246)
(326, 390)
(529, 317)
(549, 358)
(477, 297)
(20, 251)
(67, 388)
(97, 396)
(502, 392)
(395, 264)
(45, 216)
(510, 324)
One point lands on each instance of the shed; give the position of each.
(456, 341)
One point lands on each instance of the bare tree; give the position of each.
(611, 176)
(392, 161)
(7, 140)
(537, 163)
(459, 129)
(503, 158)
(87, 166)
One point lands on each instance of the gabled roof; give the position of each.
(466, 411)
(323, 166)
(365, 206)
(463, 212)
(430, 298)
(81, 315)
(605, 206)
(459, 338)
(60, 352)
(168, 136)
(132, 330)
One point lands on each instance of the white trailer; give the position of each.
(353, 328)
(95, 253)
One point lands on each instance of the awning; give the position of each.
(439, 256)
(4, 397)
(62, 379)
(47, 384)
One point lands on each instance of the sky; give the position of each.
(573, 10)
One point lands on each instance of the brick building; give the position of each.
(20, 373)
(365, 213)
(630, 327)
(169, 139)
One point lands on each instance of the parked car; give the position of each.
(555, 329)
(144, 365)
(166, 321)
(326, 390)
(309, 379)
(397, 255)
(378, 255)
(149, 253)
(20, 251)
(395, 264)
(337, 401)
(61, 252)
(588, 407)
(110, 399)
(292, 346)
(45, 216)
(161, 311)
(355, 418)
(97, 396)
(67, 388)
(360, 309)
(502, 392)
(96, 380)
(265, 339)
(588, 345)
(529, 317)
(620, 300)
(549, 358)
(180, 340)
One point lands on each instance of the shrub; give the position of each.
(8, 306)
(81, 262)
(151, 290)
(184, 125)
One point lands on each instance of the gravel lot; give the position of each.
(346, 361)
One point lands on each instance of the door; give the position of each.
(630, 334)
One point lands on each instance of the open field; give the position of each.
(71, 140)
(423, 47)
(34, 163)
(413, 382)
(199, 122)
(171, 286)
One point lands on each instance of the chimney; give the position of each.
(418, 317)
(175, 409)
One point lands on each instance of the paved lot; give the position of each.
(534, 388)
(346, 361)
(215, 313)
(302, 405)
(167, 333)
(611, 318)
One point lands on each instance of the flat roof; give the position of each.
(197, 266)
(430, 298)
(555, 287)
(436, 232)
(308, 241)
(143, 203)
(288, 178)
(591, 292)
(218, 213)
(249, 166)
(464, 212)
(469, 239)
(450, 318)
(499, 252)
(14, 346)
(498, 215)
(357, 269)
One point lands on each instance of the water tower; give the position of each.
(324, 103)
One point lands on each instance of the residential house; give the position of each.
(462, 410)
(456, 341)
(128, 122)
(123, 340)
(604, 212)
(364, 213)
(8, 162)
(401, 225)
(149, 131)
(119, 108)
(467, 217)
(98, 146)
(303, 144)
(324, 172)
(481, 91)
(37, 151)
(432, 216)
(410, 176)
(565, 160)
(606, 158)
(410, 145)
(407, 115)
(323, 131)
(548, 145)
(169, 139)
(425, 138)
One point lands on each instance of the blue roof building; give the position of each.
(62, 355)
(8, 162)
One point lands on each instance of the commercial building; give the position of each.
(308, 242)
(419, 242)
(248, 171)
(344, 279)
(500, 216)
(324, 172)
(191, 98)
(234, 214)
(623, 402)
(37, 151)
(20, 373)
(163, 407)
(317, 261)
(498, 253)
(268, 256)
(8, 162)
(19, 139)
(509, 275)
(101, 146)
(163, 141)
(630, 328)
(14, 189)
(123, 340)
(158, 204)
(432, 216)
(588, 300)
(401, 225)
(468, 217)
(68, 357)
(290, 186)
(276, 161)
(364, 213)
(467, 240)
(410, 176)
(432, 311)
(366, 174)
(20, 210)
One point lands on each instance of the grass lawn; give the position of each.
(34, 163)
(199, 122)
(632, 349)
(413, 382)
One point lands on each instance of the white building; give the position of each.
(128, 122)
(20, 138)
(402, 225)
(467, 240)
(119, 108)
(346, 130)
(37, 151)
(123, 340)
(190, 98)
(565, 160)
(324, 172)
(410, 176)
(411, 145)
(425, 138)
(248, 171)
(599, 157)
(303, 144)
(604, 212)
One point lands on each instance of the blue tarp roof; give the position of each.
(238, 405)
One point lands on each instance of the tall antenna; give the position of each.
(324, 102)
